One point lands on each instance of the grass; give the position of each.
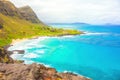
(14, 28)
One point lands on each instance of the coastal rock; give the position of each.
(12, 52)
(18, 51)
(69, 76)
(4, 56)
(33, 72)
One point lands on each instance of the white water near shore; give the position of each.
(24, 44)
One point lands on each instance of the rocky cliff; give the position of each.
(26, 12)
(7, 8)
(34, 72)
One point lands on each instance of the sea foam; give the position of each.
(31, 55)
(16, 56)
(95, 33)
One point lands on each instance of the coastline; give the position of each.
(15, 41)
(19, 71)
(17, 25)
(50, 72)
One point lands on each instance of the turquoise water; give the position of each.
(95, 54)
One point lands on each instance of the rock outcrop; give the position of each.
(4, 56)
(34, 72)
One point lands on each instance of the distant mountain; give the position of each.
(80, 23)
(69, 23)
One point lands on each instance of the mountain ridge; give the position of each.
(25, 12)
(29, 14)
(7, 8)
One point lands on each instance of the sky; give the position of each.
(70, 11)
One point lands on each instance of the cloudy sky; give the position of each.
(69, 11)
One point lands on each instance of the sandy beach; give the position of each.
(15, 41)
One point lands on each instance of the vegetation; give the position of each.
(14, 28)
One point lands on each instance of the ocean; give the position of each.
(95, 54)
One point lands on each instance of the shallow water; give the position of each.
(95, 54)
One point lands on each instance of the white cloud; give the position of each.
(89, 11)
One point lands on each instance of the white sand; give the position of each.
(14, 41)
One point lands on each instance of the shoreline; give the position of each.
(72, 74)
(35, 72)
(15, 41)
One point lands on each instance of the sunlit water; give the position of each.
(95, 54)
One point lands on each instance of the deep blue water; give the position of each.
(95, 54)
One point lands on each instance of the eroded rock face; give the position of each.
(33, 72)
(28, 14)
(7, 8)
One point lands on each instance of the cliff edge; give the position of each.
(34, 72)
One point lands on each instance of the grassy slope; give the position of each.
(14, 28)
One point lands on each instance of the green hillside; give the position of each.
(14, 28)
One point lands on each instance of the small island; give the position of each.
(19, 23)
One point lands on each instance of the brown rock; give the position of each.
(4, 57)
(1, 75)
(7, 8)
(69, 76)
(33, 72)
